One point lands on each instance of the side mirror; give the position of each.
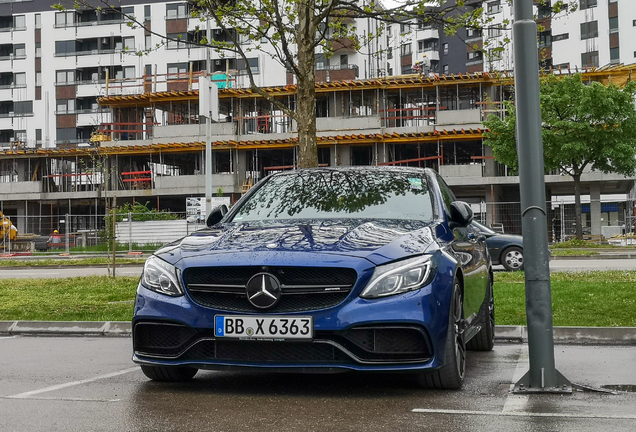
(216, 215)
(461, 214)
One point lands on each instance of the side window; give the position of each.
(447, 195)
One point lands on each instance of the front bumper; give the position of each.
(402, 332)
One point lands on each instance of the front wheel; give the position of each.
(169, 374)
(512, 258)
(451, 375)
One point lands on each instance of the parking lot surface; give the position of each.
(90, 384)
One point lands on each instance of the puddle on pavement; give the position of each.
(621, 387)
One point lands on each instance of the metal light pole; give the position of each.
(542, 376)
(208, 128)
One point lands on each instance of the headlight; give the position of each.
(400, 277)
(161, 277)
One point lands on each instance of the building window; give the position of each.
(65, 77)
(426, 45)
(474, 55)
(19, 22)
(126, 44)
(147, 42)
(176, 10)
(389, 53)
(589, 59)
(473, 33)
(38, 49)
(173, 41)
(405, 49)
(253, 63)
(559, 37)
(494, 7)
(586, 4)
(64, 47)
(38, 78)
(174, 69)
(24, 107)
(19, 50)
(445, 48)
(614, 55)
(445, 69)
(147, 16)
(127, 72)
(19, 79)
(64, 106)
(65, 134)
(494, 31)
(128, 11)
(38, 21)
(344, 60)
(613, 24)
(589, 30)
(64, 19)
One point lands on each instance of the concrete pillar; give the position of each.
(343, 155)
(595, 209)
(382, 152)
(489, 164)
(492, 209)
(241, 166)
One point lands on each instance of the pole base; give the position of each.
(563, 386)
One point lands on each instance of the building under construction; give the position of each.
(153, 150)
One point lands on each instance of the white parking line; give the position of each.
(515, 402)
(29, 394)
(8, 337)
(525, 414)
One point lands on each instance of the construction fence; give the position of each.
(145, 232)
(616, 219)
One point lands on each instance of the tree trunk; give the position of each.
(577, 206)
(306, 92)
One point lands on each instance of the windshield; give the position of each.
(333, 194)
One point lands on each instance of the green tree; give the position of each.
(585, 125)
(292, 31)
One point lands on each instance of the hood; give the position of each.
(377, 240)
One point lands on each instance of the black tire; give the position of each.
(485, 339)
(512, 258)
(169, 374)
(451, 375)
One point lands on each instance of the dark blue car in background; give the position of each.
(327, 269)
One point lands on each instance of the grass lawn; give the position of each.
(53, 262)
(91, 298)
(587, 299)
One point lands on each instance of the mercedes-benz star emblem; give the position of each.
(263, 290)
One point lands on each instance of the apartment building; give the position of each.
(67, 76)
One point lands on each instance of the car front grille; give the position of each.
(387, 344)
(303, 288)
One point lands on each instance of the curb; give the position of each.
(572, 335)
(515, 334)
(66, 328)
(594, 257)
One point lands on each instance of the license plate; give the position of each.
(258, 327)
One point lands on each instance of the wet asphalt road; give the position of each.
(90, 384)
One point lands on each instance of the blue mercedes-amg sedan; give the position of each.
(329, 269)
